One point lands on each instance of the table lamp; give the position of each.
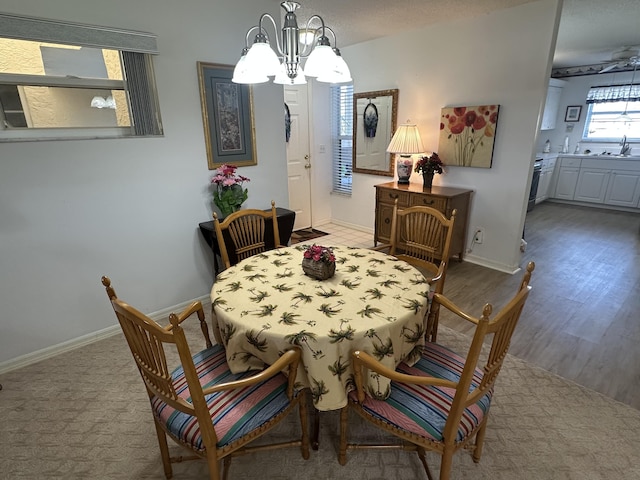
(405, 142)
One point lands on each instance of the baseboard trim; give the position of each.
(483, 262)
(74, 343)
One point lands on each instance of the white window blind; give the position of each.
(342, 137)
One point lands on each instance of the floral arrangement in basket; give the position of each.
(429, 165)
(228, 194)
(319, 262)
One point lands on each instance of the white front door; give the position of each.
(298, 158)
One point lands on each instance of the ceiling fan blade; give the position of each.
(608, 68)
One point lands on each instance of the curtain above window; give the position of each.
(614, 93)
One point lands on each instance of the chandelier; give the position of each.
(260, 61)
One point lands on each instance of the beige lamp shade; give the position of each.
(406, 140)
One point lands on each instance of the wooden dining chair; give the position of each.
(421, 236)
(441, 403)
(201, 404)
(246, 229)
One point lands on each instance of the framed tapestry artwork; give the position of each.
(467, 135)
(227, 114)
(573, 113)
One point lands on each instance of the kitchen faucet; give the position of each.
(626, 148)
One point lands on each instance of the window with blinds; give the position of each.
(613, 111)
(342, 137)
(62, 80)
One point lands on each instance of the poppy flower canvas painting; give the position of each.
(467, 135)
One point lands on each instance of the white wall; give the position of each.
(575, 93)
(71, 211)
(500, 58)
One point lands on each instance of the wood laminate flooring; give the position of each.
(582, 318)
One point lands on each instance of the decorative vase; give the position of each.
(318, 270)
(427, 180)
(404, 166)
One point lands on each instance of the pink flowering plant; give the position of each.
(228, 191)
(318, 253)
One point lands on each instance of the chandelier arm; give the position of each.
(275, 29)
(317, 32)
(333, 34)
(246, 37)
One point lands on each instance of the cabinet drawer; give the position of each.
(570, 161)
(389, 196)
(438, 203)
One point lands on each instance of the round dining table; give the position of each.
(374, 302)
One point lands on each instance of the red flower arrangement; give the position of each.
(429, 164)
(318, 253)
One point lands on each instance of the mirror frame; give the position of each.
(393, 93)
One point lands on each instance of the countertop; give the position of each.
(587, 155)
(599, 156)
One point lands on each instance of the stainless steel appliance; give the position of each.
(537, 168)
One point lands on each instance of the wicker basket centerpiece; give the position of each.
(319, 262)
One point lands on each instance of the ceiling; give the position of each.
(590, 30)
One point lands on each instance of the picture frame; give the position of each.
(573, 113)
(467, 135)
(227, 116)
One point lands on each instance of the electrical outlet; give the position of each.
(478, 237)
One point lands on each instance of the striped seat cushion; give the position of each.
(234, 413)
(423, 409)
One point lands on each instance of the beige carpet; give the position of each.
(84, 414)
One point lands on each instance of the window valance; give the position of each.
(43, 30)
(614, 93)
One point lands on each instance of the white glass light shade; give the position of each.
(340, 73)
(321, 60)
(242, 75)
(406, 140)
(262, 60)
(283, 79)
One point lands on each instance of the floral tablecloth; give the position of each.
(374, 302)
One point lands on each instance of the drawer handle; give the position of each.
(387, 221)
(429, 202)
(394, 195)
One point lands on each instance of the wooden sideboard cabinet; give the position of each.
(444, 199)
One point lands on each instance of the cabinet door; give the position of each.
(566, 185)
(623, 189)
(543, 186)
(384, 215)
(592, 185)
(551, 108)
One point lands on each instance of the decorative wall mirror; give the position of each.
(374, 121)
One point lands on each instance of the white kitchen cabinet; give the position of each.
(610, 181)
(567, 178)
(546, 177)
(543, 187)
(551, 108)
(552, 104)
(623, 189)
(592, 185)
